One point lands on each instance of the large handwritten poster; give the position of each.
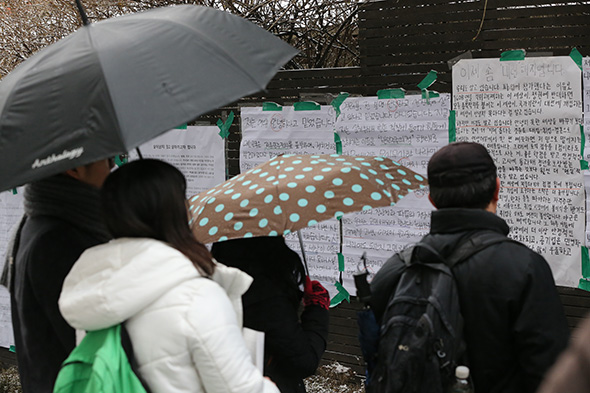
(586, 102)
(11, 211)
(408, 130)
(528, 114)
(197, 151)
(266, 134)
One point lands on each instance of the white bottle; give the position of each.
(461, 384)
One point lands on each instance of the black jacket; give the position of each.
(515, 325)
(293, 345)
(48, 249)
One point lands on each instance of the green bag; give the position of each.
(98, 365)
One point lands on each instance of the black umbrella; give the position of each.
(112, 85)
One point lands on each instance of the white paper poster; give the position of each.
(11, 211)
(586, 106)
(408, 130)
(528, 114)
(197, 151)
(266, 134)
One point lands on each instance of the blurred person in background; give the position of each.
(62, 219)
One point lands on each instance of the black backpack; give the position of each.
(421, 337)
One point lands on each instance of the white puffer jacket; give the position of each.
(185, 329)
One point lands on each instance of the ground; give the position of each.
(334, 378)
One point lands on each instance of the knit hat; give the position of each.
(460, 163)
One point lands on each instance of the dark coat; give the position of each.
(48, 249)
(515, 325)
(293, 343)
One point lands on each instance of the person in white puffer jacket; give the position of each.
(182, 310)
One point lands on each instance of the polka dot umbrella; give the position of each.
(291, 192)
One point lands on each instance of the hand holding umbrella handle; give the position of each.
(315, 294)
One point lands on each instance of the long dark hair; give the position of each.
(146, 198)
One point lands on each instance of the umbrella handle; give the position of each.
(82, 12)
(303, 252)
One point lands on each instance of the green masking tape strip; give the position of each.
(336, 102)
(576, 57)
(585, 262)
(338, 142)
(391, 93)
(12, 348)
(512, 55)
(427, 94)
(120, 161)
(271, 106)
(340, 262)
(583, 163)
(583, 284)
(181, 127)
(452, 128)
(428, 80)
(224, 127)
(14, 191)
(307, 106)
(340, 296)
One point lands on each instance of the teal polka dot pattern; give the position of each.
(293, 191)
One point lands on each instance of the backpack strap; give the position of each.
(128, 348)
(472, 244)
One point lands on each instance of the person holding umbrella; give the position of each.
(293, 345)
(182, 310)
(62, 219)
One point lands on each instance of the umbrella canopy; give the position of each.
(115, 84)
(291, 192)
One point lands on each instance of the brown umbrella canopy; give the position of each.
(291, 192)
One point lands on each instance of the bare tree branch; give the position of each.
(325, 31)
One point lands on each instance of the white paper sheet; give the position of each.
(528, 114)
(197, 151)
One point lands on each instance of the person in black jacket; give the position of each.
(293, 344)
(62, 219)
(514, 323)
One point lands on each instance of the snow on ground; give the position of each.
(334, 378)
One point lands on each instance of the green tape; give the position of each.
(271, 107)
(513, 55)
(577, 57)
(428, 80)
(14, 191)
(391, 93)
(584, 164)
(336, 102)
(584, 284)
(340, 296)
(181, 127)
(585, 262)
(338, 142)
(12, 349)
(120, 161)
(427, 94)
(340, 262)
(307, 106)
(452, 127)
(224, 126)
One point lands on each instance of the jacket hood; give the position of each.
(114, 281)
